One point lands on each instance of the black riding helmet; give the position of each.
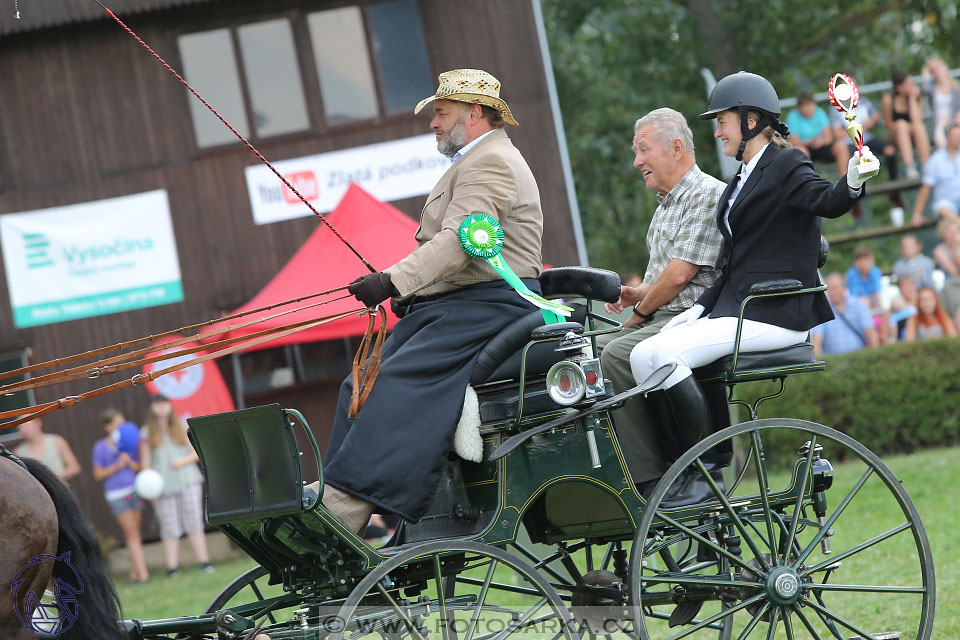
(746, 91)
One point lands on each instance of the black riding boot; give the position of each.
(722, 454)
(693, 421)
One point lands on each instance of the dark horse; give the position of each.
(43, 533)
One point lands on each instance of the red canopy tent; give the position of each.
(380, 233)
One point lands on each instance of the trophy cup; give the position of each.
(844, 95)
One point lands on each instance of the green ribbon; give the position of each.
(481, 236)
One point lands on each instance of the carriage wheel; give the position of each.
(455, 590)
(799, 549)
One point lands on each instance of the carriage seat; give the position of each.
(500, 358)
(765, 365)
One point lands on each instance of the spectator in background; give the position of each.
(913, 263)
(50, 449)
(116, 465)
(864, 279)
(941, 175)
(903, 114)
(843, 148)
(930, 321)
(811, 132)
(851, 329)
(943, 91)
(947, 256)
(179, 508)
(901, 308)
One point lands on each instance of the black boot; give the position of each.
(716, 394)
(693, 421)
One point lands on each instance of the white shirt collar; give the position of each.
(470, 145)
(749, 167)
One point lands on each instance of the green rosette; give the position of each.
(481, 236)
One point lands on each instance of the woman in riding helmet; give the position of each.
(769, 216)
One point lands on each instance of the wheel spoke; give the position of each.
(704, 580)
(772, 629)
(761, 470)
(481, 599)
(543, 564)
(259, 594)
(864, 588)
(717, 616)
(854, 550)
(690, 532)
(737, 522)
(589, 557)
(396, 608)
(499, 586)
(787, 623)
(795, 520)
(840, 619)
(441, 597)
(806, 623)
(516, 624)
(825, 527)
(754, 621)
(608, 556)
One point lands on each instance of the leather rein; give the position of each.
(366, 362)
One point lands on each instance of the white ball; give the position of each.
(149, 484)
(842, 92)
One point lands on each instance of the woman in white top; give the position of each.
(50, 449)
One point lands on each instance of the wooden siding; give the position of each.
(86, 114)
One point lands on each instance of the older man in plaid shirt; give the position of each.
(684, 245)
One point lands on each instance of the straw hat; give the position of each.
(472, 86)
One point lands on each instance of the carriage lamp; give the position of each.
(570, 381)
(566, 383)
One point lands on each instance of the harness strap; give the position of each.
(36, 411)
(365, 372)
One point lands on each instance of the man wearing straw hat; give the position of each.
(390, 456)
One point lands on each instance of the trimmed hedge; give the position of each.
(893, 399)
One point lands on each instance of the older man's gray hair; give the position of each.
(668, 125)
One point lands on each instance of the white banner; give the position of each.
(90, 259)
(387, 170)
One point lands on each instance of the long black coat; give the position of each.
(776, 234)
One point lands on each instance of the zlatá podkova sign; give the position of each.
(90, 259)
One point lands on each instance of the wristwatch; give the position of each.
(644, 317)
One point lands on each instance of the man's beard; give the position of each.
(450, 143)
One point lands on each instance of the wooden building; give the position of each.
(87, 114)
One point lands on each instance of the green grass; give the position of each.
(932, 478)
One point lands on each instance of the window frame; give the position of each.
(318, 125)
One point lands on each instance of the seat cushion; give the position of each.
(580, 282)
(801, 353)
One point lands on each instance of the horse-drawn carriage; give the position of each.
(548, 537)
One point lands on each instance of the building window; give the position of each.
(211, 67)
(401, 52)
(370, 58)
(18, 399)
(273, 77)
(343, 64)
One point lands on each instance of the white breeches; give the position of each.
(706, 340)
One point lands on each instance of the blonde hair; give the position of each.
(175, 428)
(771, 134)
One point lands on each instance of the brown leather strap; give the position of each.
(29, 413)
(56, 362)
(117, 363)
(364, 373)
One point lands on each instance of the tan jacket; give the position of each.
(491, 178)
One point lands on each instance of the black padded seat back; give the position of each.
(250, 462)
(795, 355)
(580, 282)
(500, 358)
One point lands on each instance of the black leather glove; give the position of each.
(373, 288)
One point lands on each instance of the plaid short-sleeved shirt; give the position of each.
(684, 227)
